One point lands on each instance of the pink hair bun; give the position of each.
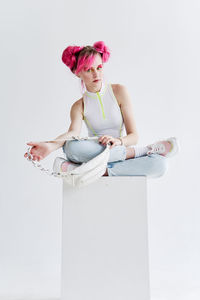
(68, 56)
(102, 48)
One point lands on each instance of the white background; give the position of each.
(155, 48)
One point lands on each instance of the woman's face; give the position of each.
(93, 76)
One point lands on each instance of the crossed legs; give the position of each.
(122, 161)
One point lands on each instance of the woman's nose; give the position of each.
(94, 73)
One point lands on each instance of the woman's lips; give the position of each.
(96, 80)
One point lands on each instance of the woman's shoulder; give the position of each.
(78, 105)
(119, 91)
(78, 102)
(117, 87)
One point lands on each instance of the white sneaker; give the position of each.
(62, 165)
(164, 148)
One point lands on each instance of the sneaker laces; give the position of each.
(158, 148)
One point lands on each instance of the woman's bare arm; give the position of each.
(125, 103)
(76, 115)
(40, 150)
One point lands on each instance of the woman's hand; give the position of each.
(105, 139)
(39, 150)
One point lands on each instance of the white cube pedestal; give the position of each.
(105, 240)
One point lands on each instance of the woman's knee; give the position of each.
(74, 151)
(82, 151)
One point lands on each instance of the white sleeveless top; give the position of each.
(102, 114)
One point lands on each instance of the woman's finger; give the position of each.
(111, 139)
(112, 145)
(31, 143)
(32, 151)
(105, 140)
(101, 137)
(104, 136)
(102, 141)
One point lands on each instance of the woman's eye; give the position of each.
(88, 70)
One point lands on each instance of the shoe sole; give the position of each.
(175, 146)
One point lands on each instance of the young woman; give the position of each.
(107, 112)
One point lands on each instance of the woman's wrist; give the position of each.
(55, 145)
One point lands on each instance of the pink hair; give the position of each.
(103, 49)
(79, 58)
(68, 56)
(84, 62)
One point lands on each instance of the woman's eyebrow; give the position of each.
(99, 65)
